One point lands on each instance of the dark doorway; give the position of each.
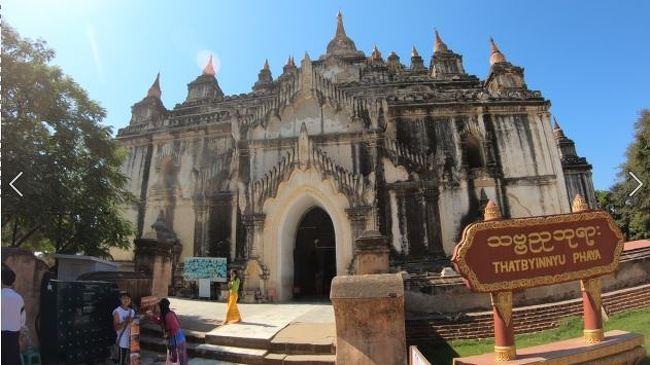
(314, 257)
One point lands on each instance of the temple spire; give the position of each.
(557, 130)
(439, 45)
(154, 90)
(495, 54)
(417, 64)
(376, 55)
(208, 70)
(264, 78)
(290, 65)
(414, 52)
(341, 45)
(340, 30)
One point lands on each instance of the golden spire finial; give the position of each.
(495, 55)
(492, 211)
(439, 46)
(209, 68)
(154, 90)
(579, 204)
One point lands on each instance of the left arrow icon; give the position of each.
(13, 181)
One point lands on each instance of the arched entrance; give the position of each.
(314, 256)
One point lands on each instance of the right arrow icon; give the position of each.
(637, 180)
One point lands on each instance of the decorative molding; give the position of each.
(400, 154)
(502, 301)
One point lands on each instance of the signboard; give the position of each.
(212, 268)
(416, 357)
(509, 254)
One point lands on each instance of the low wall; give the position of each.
(29, 273)
(450, 295)
(137, 284)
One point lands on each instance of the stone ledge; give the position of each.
(367, 286)
(619, 347)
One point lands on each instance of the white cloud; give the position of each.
(90, 32)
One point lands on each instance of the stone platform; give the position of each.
(618, 348)
(287, 333)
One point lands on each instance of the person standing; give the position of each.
(13, 318)
(176, 344)
(122, 318)
(232, 313)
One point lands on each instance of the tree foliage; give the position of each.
(73, 190)
(632, 213)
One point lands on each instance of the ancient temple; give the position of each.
(284, 179)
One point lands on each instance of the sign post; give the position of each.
(591, 294)
(498, 256)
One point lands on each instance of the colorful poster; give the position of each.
(212, 268)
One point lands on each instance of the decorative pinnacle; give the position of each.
(340, 30)
(414, 52)
(376, 55)
(439, 46)
(154, 90)
(266, 65)
(492, 211)
(557, 130)
(208, 70)
(495, 55)
(579, 204)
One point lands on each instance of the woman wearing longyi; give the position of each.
(232, 314)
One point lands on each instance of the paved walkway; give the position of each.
(206, 316)
(298, 323)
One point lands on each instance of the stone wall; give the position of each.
(29, 273)
(452, 296)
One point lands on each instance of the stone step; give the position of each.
(303, 348)
(239, 341)
(305, 339)
(284, 359)
(155, 330)
(203, 350)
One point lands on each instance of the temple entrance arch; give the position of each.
(304, 191)
(314, 256)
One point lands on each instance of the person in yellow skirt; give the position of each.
(232, 313)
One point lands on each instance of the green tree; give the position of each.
(632, 213)
(73, 190)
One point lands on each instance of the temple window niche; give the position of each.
(472, 156)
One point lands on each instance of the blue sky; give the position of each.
(589, 58)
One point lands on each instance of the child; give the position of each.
(176, 345)
(122, 317)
